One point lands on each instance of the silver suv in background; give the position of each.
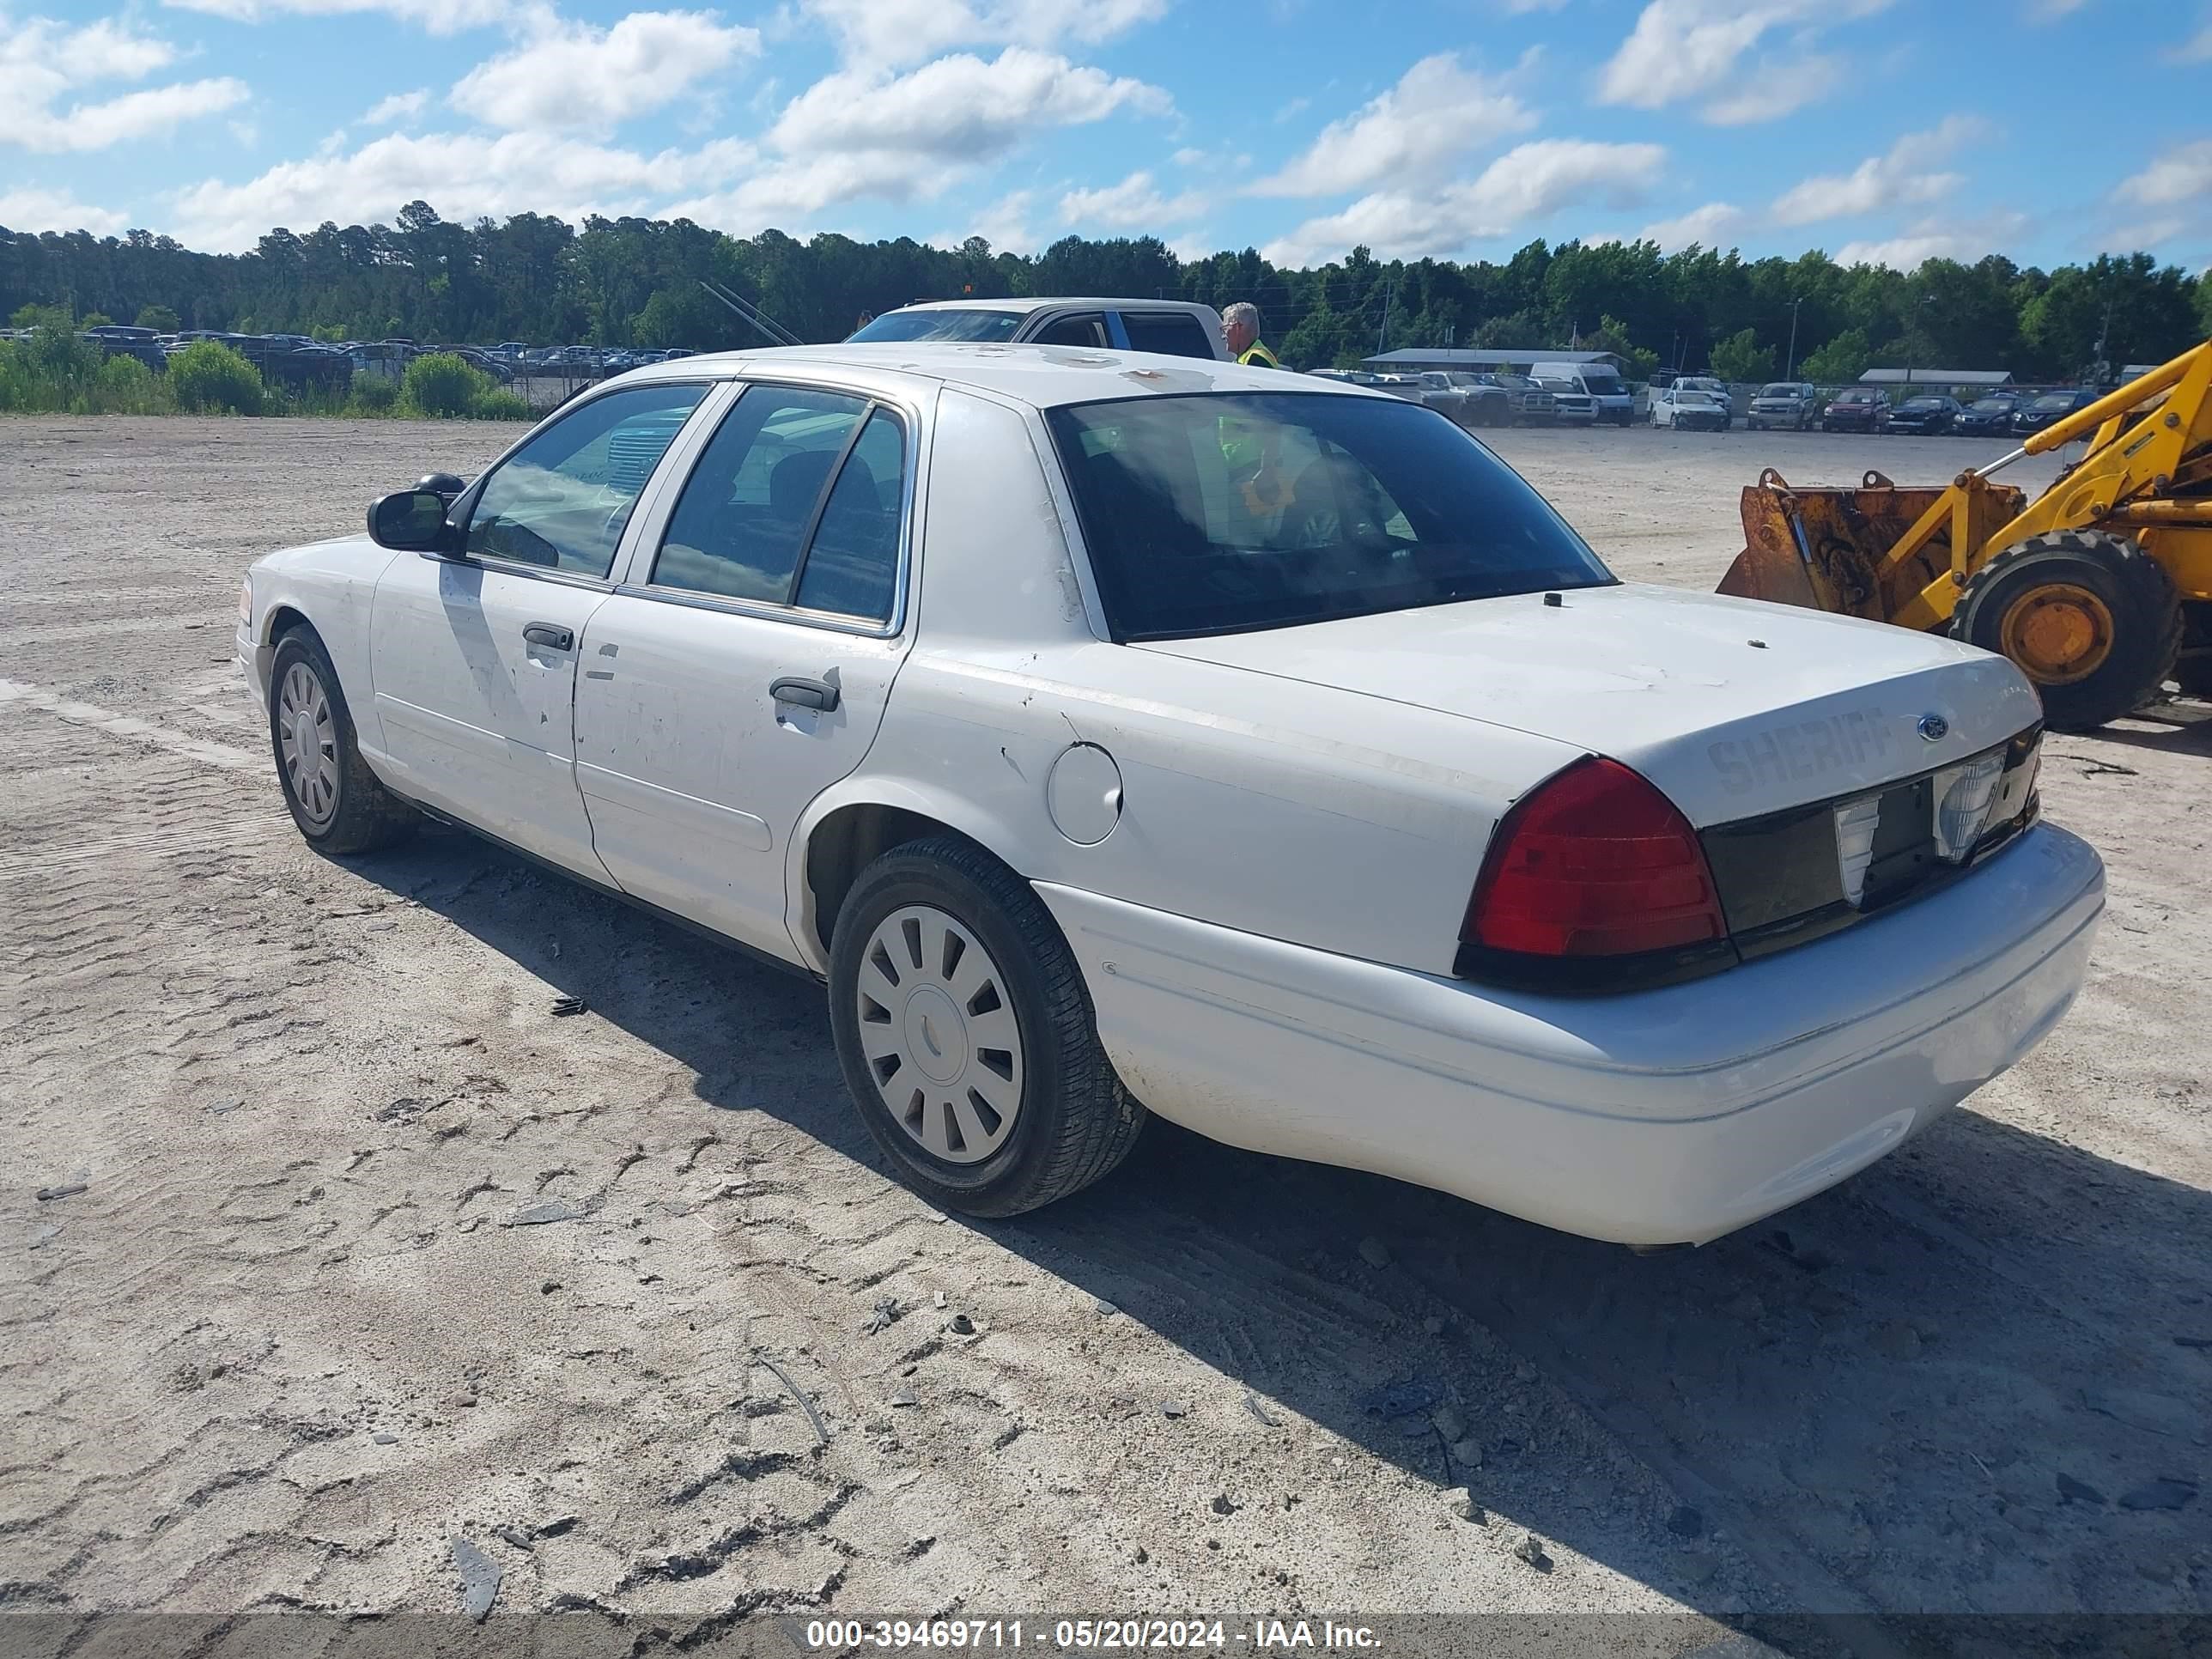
(1792, 404)
(1177, 327)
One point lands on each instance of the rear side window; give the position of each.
(1227, 512)
(1177, 333)
(796, 500)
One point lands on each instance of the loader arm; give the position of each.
(2125, 480)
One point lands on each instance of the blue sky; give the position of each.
(1879, 130)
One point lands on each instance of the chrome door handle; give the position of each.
(552, 638)
(806, 694)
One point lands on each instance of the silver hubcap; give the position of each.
(938, 1027)
(307, 742)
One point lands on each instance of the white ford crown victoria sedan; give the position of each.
(1119, 733)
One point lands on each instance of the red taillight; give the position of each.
(1596, 862)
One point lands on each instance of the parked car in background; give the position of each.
(1688, 408)
(1592, 392)
(1465, 397)
(1176, 328)
(1717, 389)
(2034, 417)
(1856, 409)
(1925, 416)
(1531, 402)
(1795, 404)
(1361, 817)
(1988, 416)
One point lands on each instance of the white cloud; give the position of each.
(48, 209)
(1683, 49)
(2197, 49)
(436, 16)
(1526, 183)
(463, 175)
(400, 106)
(1905, 176)
(42, 62)
(573, 76)
(2150, 235)
(1005, 224)
(1709, 225)
(1938, 239)
(1774, 90)
(960, 109)
(2181, 174)
(1135, 203)
(1436, 113)
(889, 33)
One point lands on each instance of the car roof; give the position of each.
(1043, 377)
(1034, 302)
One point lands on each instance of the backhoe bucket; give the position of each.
(1829, 549)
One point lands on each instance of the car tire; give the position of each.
(335, 800)
(2088, 581)
(929, 931)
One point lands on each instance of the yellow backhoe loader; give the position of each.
(2100, 589)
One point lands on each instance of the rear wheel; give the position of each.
(336, 801)
(966, 1034)
(2090, 618)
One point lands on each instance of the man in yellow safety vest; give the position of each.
(1240, 325)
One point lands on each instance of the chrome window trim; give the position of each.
(912, 429)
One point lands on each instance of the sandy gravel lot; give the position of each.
(279, 1342)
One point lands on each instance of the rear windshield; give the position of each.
(941, 325)
(1220, 514)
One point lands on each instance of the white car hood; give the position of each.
(1669, 681)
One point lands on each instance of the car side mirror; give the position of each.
(413, 521)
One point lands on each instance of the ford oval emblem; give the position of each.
(1935, 727)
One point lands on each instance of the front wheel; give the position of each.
(2090, 618)
(335, 800)
(966, 1036)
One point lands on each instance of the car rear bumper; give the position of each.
(1662, 1117)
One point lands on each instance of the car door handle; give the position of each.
(549, 636)
(806, 694)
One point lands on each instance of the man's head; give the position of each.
(1240, 323)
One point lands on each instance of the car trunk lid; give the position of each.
(1734, 709)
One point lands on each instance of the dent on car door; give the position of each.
(745, 667)
(473, 659)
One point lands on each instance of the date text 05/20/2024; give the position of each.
(1087, 1635)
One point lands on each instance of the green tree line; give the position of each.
(636, 282)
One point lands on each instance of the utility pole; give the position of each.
(1790, 373)
(1382, 334)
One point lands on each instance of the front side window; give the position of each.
(1088, 329)
(562, 500)
(1224, 513)
(797, 500)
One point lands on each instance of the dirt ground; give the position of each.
(285, 1329)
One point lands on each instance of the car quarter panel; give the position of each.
(1307, 813)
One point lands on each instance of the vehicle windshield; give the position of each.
(2056, 400)
(1779, 389)
(1860, 397)
(1991, 405)
(1603, 382)
(1227, 513)
(961, 324)
(1924, 403)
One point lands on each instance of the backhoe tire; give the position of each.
(2089, 617)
